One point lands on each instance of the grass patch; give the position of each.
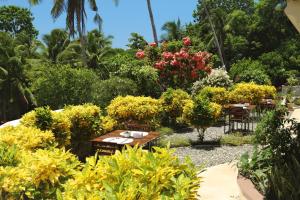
(165, 131)
(175, 141)
(236, 139)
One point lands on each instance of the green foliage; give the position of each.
(236, 139)
(137, 41)
(256, 167)
(204, 114)
(144, 76)
(177, 106)
(165, 131)
(248, 70)
(173, 30)
(174, 141)
(61, 85)
(135, 174)
(15, 20)
(107, 90)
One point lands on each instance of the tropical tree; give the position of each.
(16, 20)
(173, 30)
(137, 41)
(152, 21)
(56, 42)
(16, 98)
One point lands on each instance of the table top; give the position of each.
(136, 141)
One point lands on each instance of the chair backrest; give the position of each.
(239, 112)
(135, 126)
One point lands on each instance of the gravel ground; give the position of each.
(210, 155)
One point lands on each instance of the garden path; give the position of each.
(220, 183)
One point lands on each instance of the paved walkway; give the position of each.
(220, 183)
(296, 114)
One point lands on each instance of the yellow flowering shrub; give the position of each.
(38, 175)
(55, 122)
(176, 104)
(215, 94)
(216, 110)
(142, 109)
(85, 120)
(134, 174)
(251, 93)
(27, 138)
(108, 124)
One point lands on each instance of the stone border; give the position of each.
(248, 189)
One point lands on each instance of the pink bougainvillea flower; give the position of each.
(194, 74)
(187, 41)
(140, 54)
(153, 44)
(167, 55)
(160, 65)
(175, 63)
(184, 54)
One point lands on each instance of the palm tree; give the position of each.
(16, 98)
(56, 42)
(152, 21)
(76, 16)
(173, 29)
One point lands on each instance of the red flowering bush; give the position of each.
(179, 68)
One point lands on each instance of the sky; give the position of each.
(118, 20)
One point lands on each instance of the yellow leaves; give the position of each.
(132, 174)
(251, 92)
(27, 138)
(108, 124)
(216, 110)
(134, 108)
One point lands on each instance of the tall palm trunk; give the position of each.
(152, 21)
(221, 55)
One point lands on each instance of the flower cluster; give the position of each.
(140, 54)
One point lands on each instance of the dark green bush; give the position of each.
(107, 90)
(248, 70)
(61, 85)
(8, 155)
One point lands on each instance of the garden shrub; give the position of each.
(145, 77)
(145, 110)
(8, 155)
(107, 90)
(204, 114)
(46, 119)
(134, 174)
(38, 175)
(26, 138)
(217, 78)
(251, 93)
(108, 124)
(176, 104)
(165, 131)
(248, 70)
(61, 85)
(215, 94)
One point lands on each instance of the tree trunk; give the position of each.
(152, 21)
(215, 36)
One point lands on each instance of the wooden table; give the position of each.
(99, 144)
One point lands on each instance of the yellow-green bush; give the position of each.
(26, 138)
(142, 109)
(176, 106)
(38, 175)
(251, 93)
(134, 174)
(85, 120)
(56, 122)
(215, 94)
(108, 124)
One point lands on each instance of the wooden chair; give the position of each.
(105, 149)
(239, 115)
